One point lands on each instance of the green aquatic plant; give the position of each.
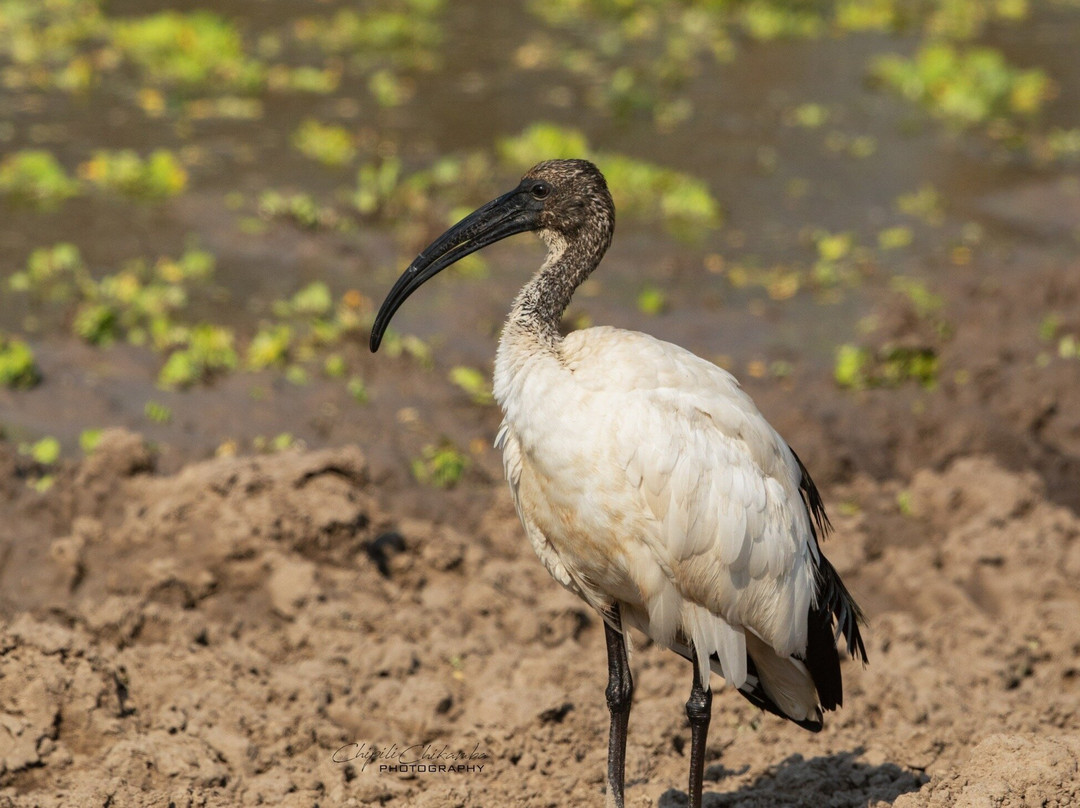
(925, 302)
(335, 366)
(651, 300)
(70, 44)
(905, 503)
(309, 323)
(766, 20)
(193, 266)
(226, 107)
(809, 115)
(1068, 347)
(858, 368)
(281, 442)
(542, 141)
(314, 300)
(377, 183)
(157, 412)
(45, 451)
(96, 323)
(297, 374)
(1061, 144)
(1049, 326)
(409, 345)
(384, 191)
(850, 366)
(895, 238)
(159, 176)
(89, 439)
(925, 204)
(952, 19)
(440, 465)
(305, 79)
(189, 50)
(967, 86)
(205, 350)
(858, 146)
(269, 347)
(35, 178)
(639, 57)
(385, 42)
(18, 367)
(143, 303)
(636, 57)
(780, 282)
(357, 390)
(53, 274)
(388, 89)
(328, 144)
(473, 382)
(140, 302)
(43, 44)
(400, 34)
(836, 253)
(300, 208)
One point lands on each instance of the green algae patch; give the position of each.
(157, 176)
(35, 178)
(328, 144)
(18, 367)
(188, 51)
(965, 86)
(858, 368)
(440, 465)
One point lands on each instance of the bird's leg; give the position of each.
(699, 711)
(620, 691)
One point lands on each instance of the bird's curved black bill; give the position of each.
(511, 213)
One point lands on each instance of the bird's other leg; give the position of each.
(620, 691)
(699, 711)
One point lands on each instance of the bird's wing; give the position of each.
(722, 488)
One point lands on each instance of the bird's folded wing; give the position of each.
(721, 486)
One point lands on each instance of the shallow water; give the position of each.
(777, 182)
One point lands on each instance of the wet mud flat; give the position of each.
(302, 628)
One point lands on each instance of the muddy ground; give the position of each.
(274, 629)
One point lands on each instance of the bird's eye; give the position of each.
(540, 190)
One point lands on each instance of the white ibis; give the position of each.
(648, 482)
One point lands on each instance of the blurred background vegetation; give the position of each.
(201, 207)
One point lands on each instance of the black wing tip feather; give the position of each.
(834, 600)
(822, 659)
(834, 606)
(842, 608)
(815, 505)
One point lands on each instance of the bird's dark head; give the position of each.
(565, 201)
(577, 203)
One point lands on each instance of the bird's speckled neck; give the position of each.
(541, 303)
(531, 334)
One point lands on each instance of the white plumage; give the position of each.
(653, 479)
(648, 482)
